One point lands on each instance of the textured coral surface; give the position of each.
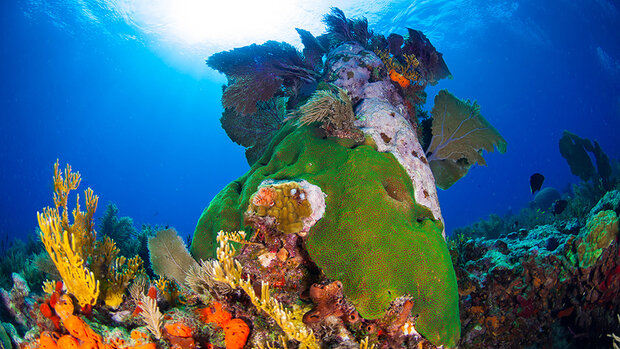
(373, 237)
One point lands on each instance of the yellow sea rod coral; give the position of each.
(61, 239)
(227, 269)
(72, 246)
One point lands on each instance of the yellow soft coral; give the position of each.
(227, 269)
(70, 246)
(63, 240)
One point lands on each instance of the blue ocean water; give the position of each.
(120, 91)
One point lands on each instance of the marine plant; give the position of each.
(89, 267)
(460, 134)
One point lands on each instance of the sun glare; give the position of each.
(188, 31)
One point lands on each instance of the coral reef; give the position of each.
(409, 260)
(346, 245)
(540, 287)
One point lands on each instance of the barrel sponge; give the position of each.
(373, 237)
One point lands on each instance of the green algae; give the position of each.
(373, 237)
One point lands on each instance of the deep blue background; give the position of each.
(146, 135)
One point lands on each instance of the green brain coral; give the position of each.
(373, 237)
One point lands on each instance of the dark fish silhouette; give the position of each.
(536, 181)
(559, 206)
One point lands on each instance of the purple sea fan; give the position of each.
(257, 72)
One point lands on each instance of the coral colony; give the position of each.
(334, 238)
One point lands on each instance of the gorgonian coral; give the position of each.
(254, 131)
(460, 134)
(89, 268)
(341, 29)
(432, 66)
(257, 72)
(332, 110)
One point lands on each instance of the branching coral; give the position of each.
(70, 246)
(200, 280)
(228, 270)
(460, 134)
(65, 243)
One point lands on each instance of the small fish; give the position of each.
(559, 206)
(399, 79)
(536, 181)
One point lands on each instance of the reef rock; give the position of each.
(382, 115)
(532, 289)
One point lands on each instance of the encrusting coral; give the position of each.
(283, 206)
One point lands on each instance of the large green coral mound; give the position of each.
(373, 237)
